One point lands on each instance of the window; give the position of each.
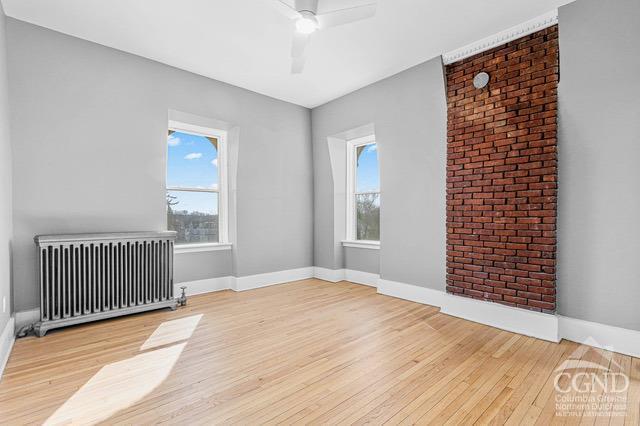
(363, 190)
(196, 184)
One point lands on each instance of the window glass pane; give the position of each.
(368, 217)
(192, 161)
(367, 175)
(193, 215)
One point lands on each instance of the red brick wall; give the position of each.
(502, 174)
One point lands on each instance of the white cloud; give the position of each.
(173, 140)
(215, 162)
(193, 156)
(214, 186)
(372, 148)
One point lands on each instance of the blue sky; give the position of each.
(367, 174)
(192, 162)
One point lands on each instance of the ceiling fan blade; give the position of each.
(346, 16)
(284, 8)
(300, 42)
(297, 64)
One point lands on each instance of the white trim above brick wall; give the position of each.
(536, 24)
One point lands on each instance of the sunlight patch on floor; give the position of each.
(171, 332)
(117, 386)
(121, 384)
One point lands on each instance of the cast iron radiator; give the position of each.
(87, 277)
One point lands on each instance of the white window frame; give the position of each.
(351, 225)
(222, 190)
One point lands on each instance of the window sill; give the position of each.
(371, 245)
(194, 248)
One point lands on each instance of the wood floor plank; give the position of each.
(633, 395)
(306, 352)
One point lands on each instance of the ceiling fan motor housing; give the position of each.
(307, 6)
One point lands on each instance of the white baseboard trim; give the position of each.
(602, 336)
(535, 324)
(7, 338)
(516, 320)
(250, 282)
(359, 277)
(203, 286)
(414, 293)
(326, 274)
(335, 275)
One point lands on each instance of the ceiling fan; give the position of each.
(307, 21)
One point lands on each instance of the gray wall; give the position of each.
(599, 175)
(89, 135)
(408, 111)
(5, 184)
(202, 265)
(359, 259)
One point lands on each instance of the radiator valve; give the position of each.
(182, 300)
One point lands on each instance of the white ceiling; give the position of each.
(247, 42)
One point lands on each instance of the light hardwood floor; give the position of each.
(303, 352)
